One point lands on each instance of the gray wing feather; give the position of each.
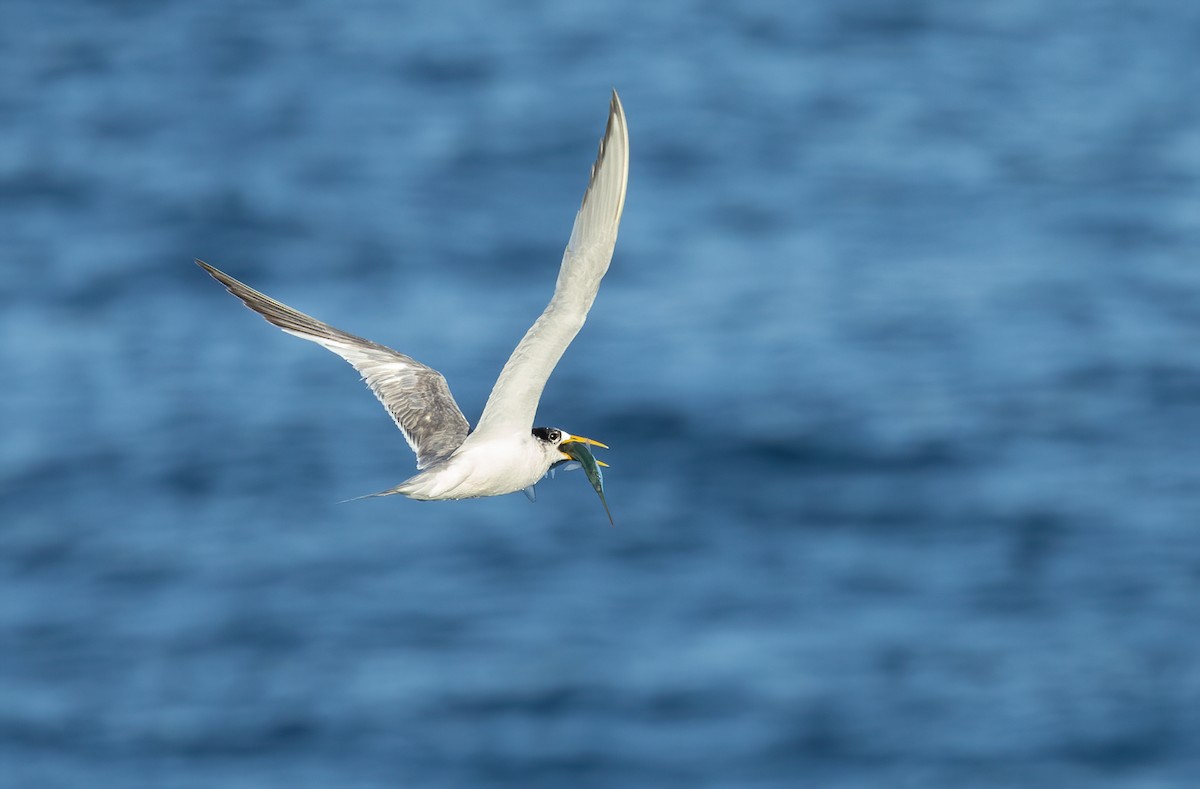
(416, 396)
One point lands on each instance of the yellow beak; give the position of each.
(583, 440)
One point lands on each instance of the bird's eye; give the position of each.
(554, 435)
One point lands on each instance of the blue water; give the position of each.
(897, 357)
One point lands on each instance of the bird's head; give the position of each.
(553, 439)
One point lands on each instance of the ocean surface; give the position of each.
(899, 360)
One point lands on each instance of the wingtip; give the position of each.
(220, 276)
(607, 201)
(615, 108)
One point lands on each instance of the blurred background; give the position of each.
(897, 358)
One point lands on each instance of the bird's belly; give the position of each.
(485, 470)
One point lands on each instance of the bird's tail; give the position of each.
(389, 492)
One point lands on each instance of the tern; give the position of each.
(504, 453)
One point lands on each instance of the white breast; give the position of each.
(490, 467)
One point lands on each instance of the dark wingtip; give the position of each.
(231, 284)
(212, 272)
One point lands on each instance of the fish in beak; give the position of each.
(576, 448)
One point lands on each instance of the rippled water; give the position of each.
(897, 358)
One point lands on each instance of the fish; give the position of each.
(583, 455)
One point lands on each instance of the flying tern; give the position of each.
(504, 453)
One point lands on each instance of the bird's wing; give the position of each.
(416, 396)
(514, 399)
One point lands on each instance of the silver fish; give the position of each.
(583, 454)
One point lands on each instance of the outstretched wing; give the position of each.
(514, 399)
(416, 396)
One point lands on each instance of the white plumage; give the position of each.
(504, 453)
